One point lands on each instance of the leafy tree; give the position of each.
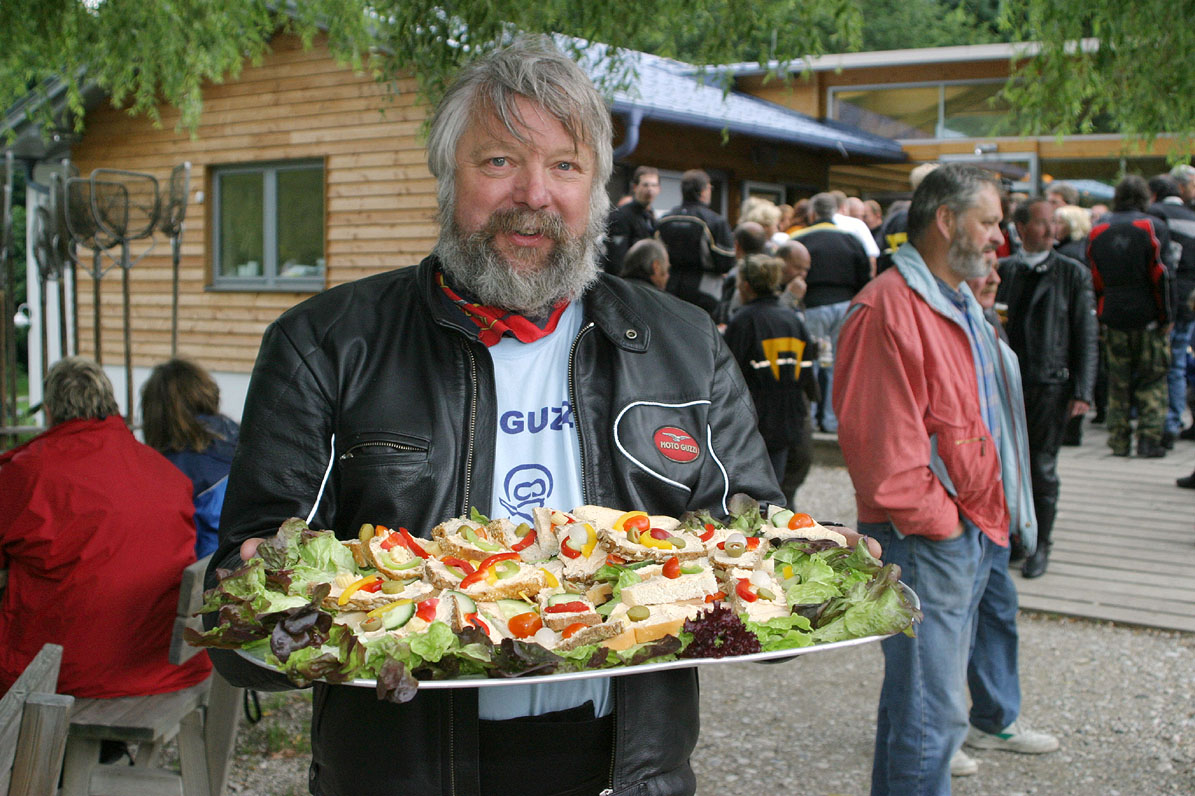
(904, 24)
(1138, 78)
(143, 52)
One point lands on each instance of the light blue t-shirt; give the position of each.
(537, 462)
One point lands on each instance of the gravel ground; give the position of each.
(1121, 700)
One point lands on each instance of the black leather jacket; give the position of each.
(1051, 321)
(382, 384)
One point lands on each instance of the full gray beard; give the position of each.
(966, 261)
(473, 263)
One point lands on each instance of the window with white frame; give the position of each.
(268, 230)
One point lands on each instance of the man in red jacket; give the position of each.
(95, 531)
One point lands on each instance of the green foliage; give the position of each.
(1138, 79)
(905, 24)
(144, 52)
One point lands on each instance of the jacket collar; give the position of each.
(917, 276)
(602, 305)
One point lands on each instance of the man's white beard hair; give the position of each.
(472, 262)
(966, 260)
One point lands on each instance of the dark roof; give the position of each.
(672, 91)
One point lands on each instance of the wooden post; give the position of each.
(40, 748)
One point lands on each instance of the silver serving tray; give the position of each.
(619, 671)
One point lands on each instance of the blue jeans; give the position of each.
(992, 674)
(826, 321)
(922, 716)
(1176, 377)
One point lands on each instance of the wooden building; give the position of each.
(305, 175)
(941, 104)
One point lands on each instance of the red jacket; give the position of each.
(906, 397)
(95, 531)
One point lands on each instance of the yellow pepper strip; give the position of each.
(647, 540)
(491, 577)
(587, 548)
(618, 523)
(550, 578)
(344, 597)
(388, 606)
(787, 571)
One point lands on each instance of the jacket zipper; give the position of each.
(472, 430)
(572, 397)
(398, 446)
(451, 745)
(982, 449)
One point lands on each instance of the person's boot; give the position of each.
(1187, 482)
(1187, 433)
(1035, 565)
(1149, 448)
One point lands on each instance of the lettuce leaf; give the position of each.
(782, 633)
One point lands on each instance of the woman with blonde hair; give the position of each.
(1071, 225)
(180, 418)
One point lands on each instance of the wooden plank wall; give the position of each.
(294, 104)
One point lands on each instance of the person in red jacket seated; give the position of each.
(95, 531)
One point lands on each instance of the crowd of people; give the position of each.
(953, 344)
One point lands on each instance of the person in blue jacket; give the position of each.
(180, 417)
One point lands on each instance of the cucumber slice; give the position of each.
(557, 599)
(780, 519)
(465, 602)
(477, 541)
(397, 617)
(512, 608)
(414, 562)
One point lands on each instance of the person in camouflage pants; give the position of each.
(1138, 361)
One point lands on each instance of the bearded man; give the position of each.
(502, 373)
(919, 392)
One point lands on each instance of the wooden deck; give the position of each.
(1124, 539)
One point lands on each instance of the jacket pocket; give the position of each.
(381, 449)
(968, 462)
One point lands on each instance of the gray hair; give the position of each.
(642, 257)
(955, 185)
(1183, 174)
(77, 388)
(534, 69)
(823, 205)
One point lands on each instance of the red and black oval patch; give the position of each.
(676, 444)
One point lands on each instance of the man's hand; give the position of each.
(249, 547)
(853, 537)
(1078, 408)
(796, 287)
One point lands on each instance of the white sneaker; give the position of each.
(963, 765)
(1012, 738)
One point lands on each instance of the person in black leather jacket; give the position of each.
(377, 401)
(1052, 328)
(700, 243)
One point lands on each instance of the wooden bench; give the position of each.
(33, 722)
(203, 718)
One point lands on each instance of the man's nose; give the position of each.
(531, 189)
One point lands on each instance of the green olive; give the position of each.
(766, 594)
(734, 550)
(638, 613)
(632, 536)
(393, 586)
(371, 623)
(522, 530)
(366, 533)
(676, 541)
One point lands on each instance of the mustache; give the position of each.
(530, 222)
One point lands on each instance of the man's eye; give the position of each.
(564, 165)
(498, 161)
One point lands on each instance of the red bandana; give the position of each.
(492, 322)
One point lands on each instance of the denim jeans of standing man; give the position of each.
(826, 322)
(922, 717)
(1176, 377)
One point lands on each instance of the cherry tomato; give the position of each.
(752, 542)
(567, 608)
(426, 610)
(524, 625)
(672, 568)
(658, 533)
(573, 628)
(391, 541)
(743, 589)
(715, 597)
(640, 522)
(615, 559)
(800, 521)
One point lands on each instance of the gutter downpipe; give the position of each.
(632, 121)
